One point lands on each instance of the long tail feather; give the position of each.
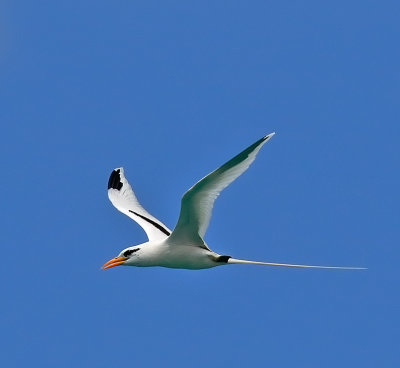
(241, 261)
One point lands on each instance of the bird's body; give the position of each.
(173, 256)
(183, 247)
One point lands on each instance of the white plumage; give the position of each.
(184, 247)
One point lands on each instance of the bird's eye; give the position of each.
(128, 252)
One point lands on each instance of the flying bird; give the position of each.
(184, 247)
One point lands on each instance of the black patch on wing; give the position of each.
(115, 180)
(158, 226)
(223, 259)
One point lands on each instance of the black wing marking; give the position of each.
(158, 226)
(114, 182)
(123, 198)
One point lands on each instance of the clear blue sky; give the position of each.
(170, 90)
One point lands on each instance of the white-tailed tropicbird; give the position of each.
(183, 247)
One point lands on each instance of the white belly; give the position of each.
(176, 256)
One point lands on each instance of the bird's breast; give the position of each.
(178, 256)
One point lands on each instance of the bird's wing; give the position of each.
(122, 197)
(198, 201)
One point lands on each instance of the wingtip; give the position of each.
(270, 135)
(114, 182)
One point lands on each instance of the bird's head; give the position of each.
(127, 257)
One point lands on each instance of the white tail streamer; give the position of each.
(241, 261)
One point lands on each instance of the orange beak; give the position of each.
(113, 262)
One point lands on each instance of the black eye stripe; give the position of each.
(128, 252)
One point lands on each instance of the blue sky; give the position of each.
(170, 90)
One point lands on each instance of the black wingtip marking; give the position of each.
(158, 226)
(115, 180)
(223, 259)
